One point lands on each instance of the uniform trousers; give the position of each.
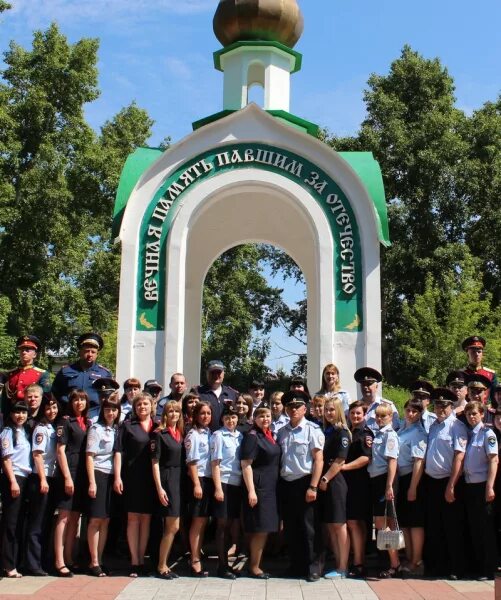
(445, 525)
(480, 516)
(301, 524)
(12, 524)
(39, 552)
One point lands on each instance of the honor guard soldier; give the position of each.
(302, 444)
(83, 373)
(104, 388)
(369, 379)
(474, 347)
(17, 380)
(421, 390)
(444, 501)
(215, 393)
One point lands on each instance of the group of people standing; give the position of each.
(320, 470)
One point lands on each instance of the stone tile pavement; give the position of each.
(83, 587)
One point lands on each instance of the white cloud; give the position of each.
(65, 11)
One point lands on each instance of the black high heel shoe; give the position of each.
(201, 573)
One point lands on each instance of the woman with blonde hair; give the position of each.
(167, 458)
(333, 485)
(331, 385)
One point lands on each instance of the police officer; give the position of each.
(81, 374)
(474, 348)
(302, 444)
(421, 390)
(456, 382)
(26, 373)
(478, 391)
(480, 468)
(278, 416)
(215, 393)
(444, 507)
(369, 379)
(105, 387)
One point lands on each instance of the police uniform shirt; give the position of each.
(412, 440)
(225, 447)
(384, 446)
(427, 418)
(217, 402)
(100, 443)
(370, 416)
(45, 441)
(20, 454)
(276, 426)
(444, 439)
(197, 445)
(74, 377)
(297, 445)
(481, 445)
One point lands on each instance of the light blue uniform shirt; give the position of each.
(412, 441)
(384, 446)
(481, 445)
(297, 445)
(45, 441)
(343, 395)
(427, 418)
(20, 455)
(444, 440)
(197, 444)
(276, 426)
(225, 447)
(100, 442)
(370, 416)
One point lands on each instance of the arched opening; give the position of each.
(254, 314)
(256, 95)
(255, 83)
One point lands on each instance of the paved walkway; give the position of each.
(83, 587)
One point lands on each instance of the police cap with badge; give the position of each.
(478, 381)
(367, 375)
(456, 379)
(442, 395)
(295, 397)
(90, 339)
(422, 387)
(151, 386)
(105, 386)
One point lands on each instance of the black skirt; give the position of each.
(231, 506)
(171, 483)
(409, 514)
(100, 506)
(358, 498)
(378, 490)
(333, 501)
(202, 507)
(78, 501)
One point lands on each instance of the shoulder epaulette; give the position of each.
(487, 369)
(39, 369)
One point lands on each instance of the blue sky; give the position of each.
(159, 53)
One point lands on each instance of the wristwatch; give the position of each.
(313, 488)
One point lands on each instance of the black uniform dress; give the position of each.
(358, 498)
(170, 456)
(333, 500)
(74, 437)
(133, 442)
(262, 518)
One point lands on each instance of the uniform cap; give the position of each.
(90, 339)
(421, 386)
(215, 365)
(229, 409)
(19, 406)
(477, 380)
(152, 384)
(296, 397)
(30, 341)
(443, 394)
(474, 341)
(456, 377)
(367, 374)
(105, 386)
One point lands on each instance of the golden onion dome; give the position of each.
(263, 20)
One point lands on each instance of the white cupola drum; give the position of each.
(258, 37)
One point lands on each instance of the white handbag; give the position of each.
(388, 539)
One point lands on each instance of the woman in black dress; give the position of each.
(132, 451)
(260, 459)
(71, 479)
(358, 499)
(333, 485)
(167, 458)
